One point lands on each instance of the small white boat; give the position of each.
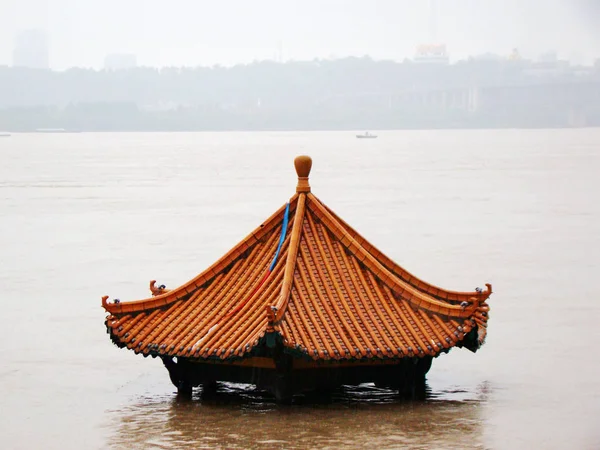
(366, 135)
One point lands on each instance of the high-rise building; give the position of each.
(32, 50)
(432, 53)
(120, 61)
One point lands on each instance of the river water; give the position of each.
(83, 215)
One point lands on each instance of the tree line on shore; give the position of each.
(320, 94)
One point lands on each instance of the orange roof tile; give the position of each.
(330, 295)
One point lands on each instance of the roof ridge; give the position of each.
(195, 283)
(276, 312)
(394, 267)
(415, 297)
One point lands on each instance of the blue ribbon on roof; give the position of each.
(283, 233)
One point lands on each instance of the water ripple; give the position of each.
(239, 416)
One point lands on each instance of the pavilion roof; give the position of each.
(307, 278)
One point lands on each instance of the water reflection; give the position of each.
(240, 417)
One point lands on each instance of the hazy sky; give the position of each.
(207, 32)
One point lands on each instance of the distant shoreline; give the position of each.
(347, 94)
(350, 131)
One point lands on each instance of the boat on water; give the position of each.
(366, 135)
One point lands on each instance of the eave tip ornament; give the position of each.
(304, 302)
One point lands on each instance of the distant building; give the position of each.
(32, 50)
(549, 57)
(515, 55)
(432, 54)
(549, 65)
(576, 58)
(120, 61)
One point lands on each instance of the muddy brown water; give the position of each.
(85, 215)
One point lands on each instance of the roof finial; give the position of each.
(303, 165)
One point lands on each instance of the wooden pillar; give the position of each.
(178, 376)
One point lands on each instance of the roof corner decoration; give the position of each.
(303, 287)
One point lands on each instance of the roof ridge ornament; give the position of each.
(303, 164)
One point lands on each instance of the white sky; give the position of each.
(207, 32)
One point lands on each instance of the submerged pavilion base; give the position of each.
(295, 376)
